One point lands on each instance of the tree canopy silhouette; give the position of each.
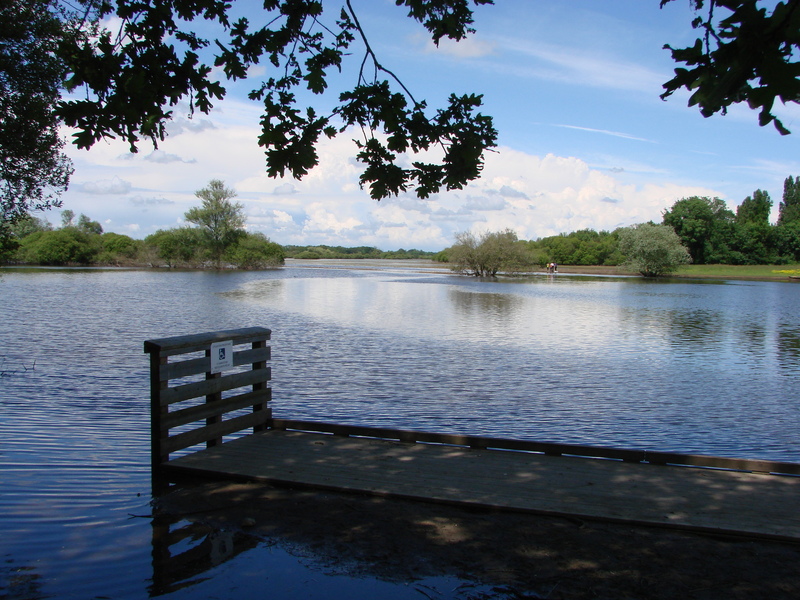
(746, 54)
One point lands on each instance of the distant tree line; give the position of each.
(357, 252)
(713, 234)
(478, 254)
(706, 231)
(698, 229)
(216, 238)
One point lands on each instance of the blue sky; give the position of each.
(584, 139)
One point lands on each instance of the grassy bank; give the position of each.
(759, 272)
(769, 272)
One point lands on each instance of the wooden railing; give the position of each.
(192, 392)
(548, 448)
(195, 401)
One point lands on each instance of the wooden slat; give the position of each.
(195, 366)
(720, 462)
(200, 341)
(214, 386)
(551, 449)
(158, 410)
(471, 441)
(218, 408)
(217, 430)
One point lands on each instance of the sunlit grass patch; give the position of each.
(788, 271)
(776, 272)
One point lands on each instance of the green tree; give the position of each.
(86, 225)
(117, 243)
(560, 248)
(750, 243)
(789, 208)
(745, 54)
(220, 220)
(12, 233)
(181, 246)
(705, 226)
(29, 224)
(786, 242)
(583, 247)
(652, 250)
(118, 249)
(489, 253)
(67, 218)
(754, 209)
(255, 251)
(8, 243)
(33, 168)
(68, 245)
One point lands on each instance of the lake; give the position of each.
(693, 366)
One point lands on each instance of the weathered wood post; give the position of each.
(205, 388)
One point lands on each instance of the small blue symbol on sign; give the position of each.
(221, 356)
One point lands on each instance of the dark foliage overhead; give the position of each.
(132, 79)
(33, 169)
(745, 54)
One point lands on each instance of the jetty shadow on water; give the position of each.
(402, 548)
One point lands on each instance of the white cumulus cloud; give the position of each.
(114, 185)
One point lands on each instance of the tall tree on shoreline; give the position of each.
(652, 250)
(220, 220)
(703, 225)
(790, 205)
(754, 210)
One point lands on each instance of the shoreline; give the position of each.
(777, 273)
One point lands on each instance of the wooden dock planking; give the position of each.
(712, 500)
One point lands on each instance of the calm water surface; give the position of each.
(701, 367)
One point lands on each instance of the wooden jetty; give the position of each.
(194, 409)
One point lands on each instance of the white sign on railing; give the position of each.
(221, 356)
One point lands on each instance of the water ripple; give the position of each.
(670, 366)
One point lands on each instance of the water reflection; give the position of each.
(21, 581)
(702, 328)
(496, 307)
(788, 346)
(183, 550)
(322, 545)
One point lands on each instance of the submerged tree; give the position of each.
(652, 250)
(177, 247)
(489, 253)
